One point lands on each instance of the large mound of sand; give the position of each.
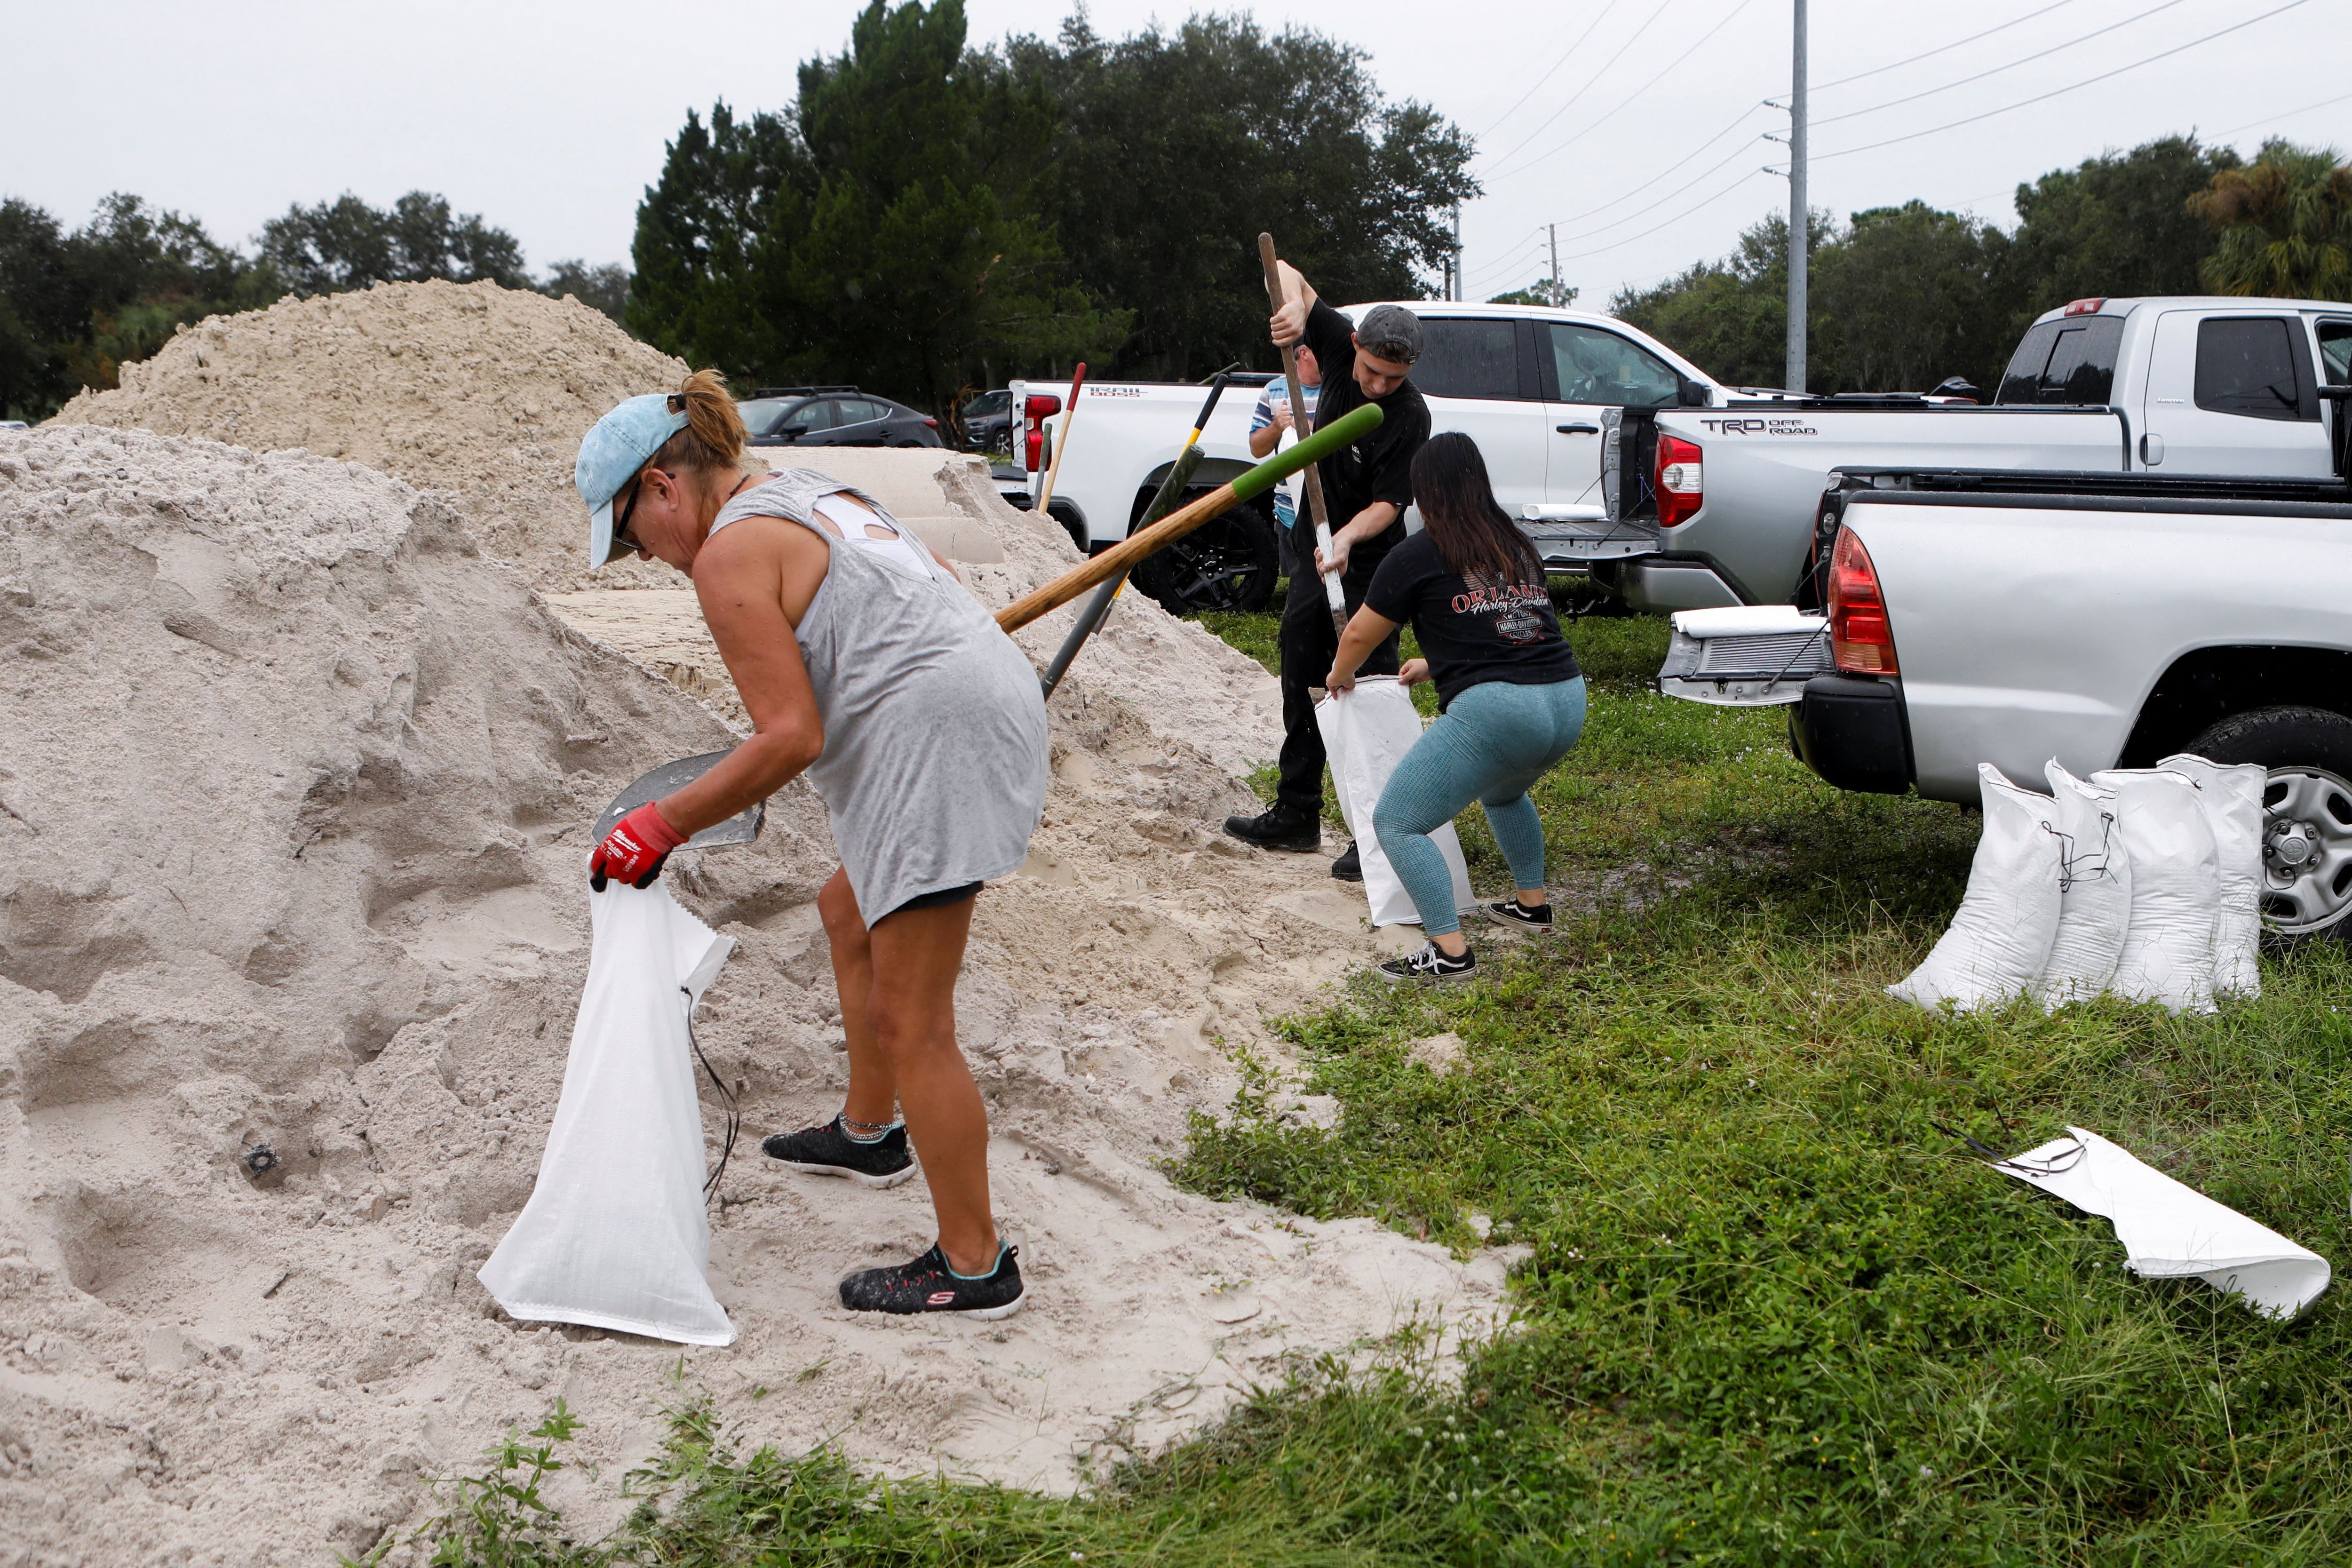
(294, 787)
(472, 389)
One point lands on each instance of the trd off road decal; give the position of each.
(1779, 426)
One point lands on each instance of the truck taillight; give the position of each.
(1677, 481)
(1033, 415)
(1861, 640)
(2084, 307)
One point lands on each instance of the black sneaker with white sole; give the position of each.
(830, 1150)
(927, 1284)
(1430, 963)
(1511, 912)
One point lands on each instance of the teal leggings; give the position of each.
(1490, 745)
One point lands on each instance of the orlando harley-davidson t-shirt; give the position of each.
(1470, 631)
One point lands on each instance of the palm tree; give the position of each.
(2285, 226)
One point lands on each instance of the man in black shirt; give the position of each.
(1367, 485)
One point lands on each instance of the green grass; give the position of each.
(1773, 1314)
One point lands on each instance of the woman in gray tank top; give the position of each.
(866, 666)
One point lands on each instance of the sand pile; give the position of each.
(294, 787)
(471, 389)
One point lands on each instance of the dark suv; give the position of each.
(987, 422)
(832, 416)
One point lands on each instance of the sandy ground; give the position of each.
(294, 784)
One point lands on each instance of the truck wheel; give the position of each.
(1227, 563)
(2308, 811)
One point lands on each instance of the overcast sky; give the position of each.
(550, 119)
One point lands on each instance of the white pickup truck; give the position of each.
(1718, 506)
(2106, 621)
(1530, 384)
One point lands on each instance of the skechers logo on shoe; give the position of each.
(939, 1298)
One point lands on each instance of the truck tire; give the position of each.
(2308, 811)
(1229, 563)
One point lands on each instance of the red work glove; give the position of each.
(634, 851)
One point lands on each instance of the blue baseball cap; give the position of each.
(610, 454)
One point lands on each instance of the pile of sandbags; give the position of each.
(2142, 882)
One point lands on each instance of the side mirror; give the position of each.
(791, 433)
(1691, 393)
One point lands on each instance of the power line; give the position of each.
(1667, 222)
(1740, 152)
(1596, 75)
(2054, 92)
(1941, 49)
(1554, 66)
(1728, 18)
(1510, 259)
(1996, 70)
(2274, 118)
(1653, 179)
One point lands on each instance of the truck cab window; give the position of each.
(2246, 365)
(1594, 366)
(2071, 362)
(1467, 358)
(2335, 350)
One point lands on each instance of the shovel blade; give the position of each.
(741, 829)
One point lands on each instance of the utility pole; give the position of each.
(1456, 269)
(1556, 298)
(1798, 213)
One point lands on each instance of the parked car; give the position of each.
(1529, 384)
(1715, 505)
(987, 422)
(832, 416)
(2104, 620)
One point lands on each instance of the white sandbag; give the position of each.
(2001, 935)
(1366, 734)
(2095, 902)
(616, 1235)
(2167, 954)
(2171, 1230)
(2232, 799)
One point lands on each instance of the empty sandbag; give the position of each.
(2094, 886)
(2232, 799)
(616, 1235)
(2168, 956)
(2000, 938)
(1366, 734)
(2171, 1230)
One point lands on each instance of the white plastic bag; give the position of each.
(1366, 734)
(616, 1235)
(2232, 799)
(2171, 1230)
(2095, 905)
(2167, 954)
(2001, 935)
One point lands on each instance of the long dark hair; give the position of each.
(1459, 508)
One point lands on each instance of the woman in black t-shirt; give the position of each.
(1510, 699)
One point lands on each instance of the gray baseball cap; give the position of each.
(1390, 332)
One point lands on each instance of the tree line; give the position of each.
(1900, 297)
(927, 216)
(77, 305)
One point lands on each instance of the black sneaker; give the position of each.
(928, 1284)
(1430, 963)
(1511, 912)
(1280, 828)
(829, 1151)
(1350, 868)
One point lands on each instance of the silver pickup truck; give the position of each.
(2105, 620)
(1716, 506)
